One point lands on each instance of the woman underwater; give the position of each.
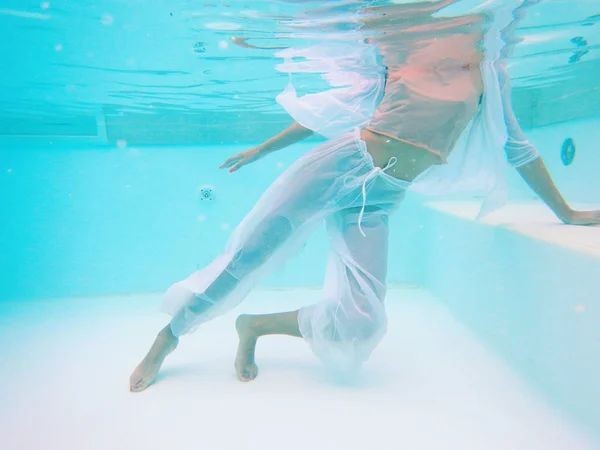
(392, 124)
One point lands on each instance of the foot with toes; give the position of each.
(145, 374)
(245, 367)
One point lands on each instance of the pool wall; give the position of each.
(115, 220)
(532, 302)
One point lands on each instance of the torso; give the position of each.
(433, 90)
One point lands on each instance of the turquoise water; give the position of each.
(115, 115)
(103, 107)
(124, 57)
(109, 220)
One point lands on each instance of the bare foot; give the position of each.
(245, 367)
(145, 374)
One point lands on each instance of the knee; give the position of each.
(363, 329)
(342, 342)
(349, 328)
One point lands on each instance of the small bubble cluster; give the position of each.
(107, 19)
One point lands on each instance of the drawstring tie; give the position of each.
(377, 170)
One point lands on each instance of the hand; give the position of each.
(582, 218)
(238, 161)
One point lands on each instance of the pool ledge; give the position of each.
(528, 286)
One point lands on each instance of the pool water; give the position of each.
(114, 119)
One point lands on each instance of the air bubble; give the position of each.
(201, 218)
(121, 143)
(225, 226)
(579, 308)
(45, 5)
(107, 19)
(58, 47)
(223, 45)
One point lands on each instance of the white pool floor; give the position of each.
(430, 385)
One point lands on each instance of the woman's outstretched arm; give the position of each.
(524, 157)
(291, 135)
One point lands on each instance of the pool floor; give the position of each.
(430, 385)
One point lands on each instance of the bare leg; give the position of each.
(145, 374)
(269, 235)
(250, 328)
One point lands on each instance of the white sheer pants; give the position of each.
(336, 183)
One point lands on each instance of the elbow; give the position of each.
(520, 153)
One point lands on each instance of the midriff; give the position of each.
(411, 160)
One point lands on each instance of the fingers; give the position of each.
(231, 161)
(236, 162)
(239, 165)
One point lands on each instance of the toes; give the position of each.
(251, 373)
(248, 374)
(243, 376)
(138, 386)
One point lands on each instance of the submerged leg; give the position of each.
(283, 219)
(348, 324)
(278, 225)
(269, 235)
(350, 320)
(250, 328)
(145, 373)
